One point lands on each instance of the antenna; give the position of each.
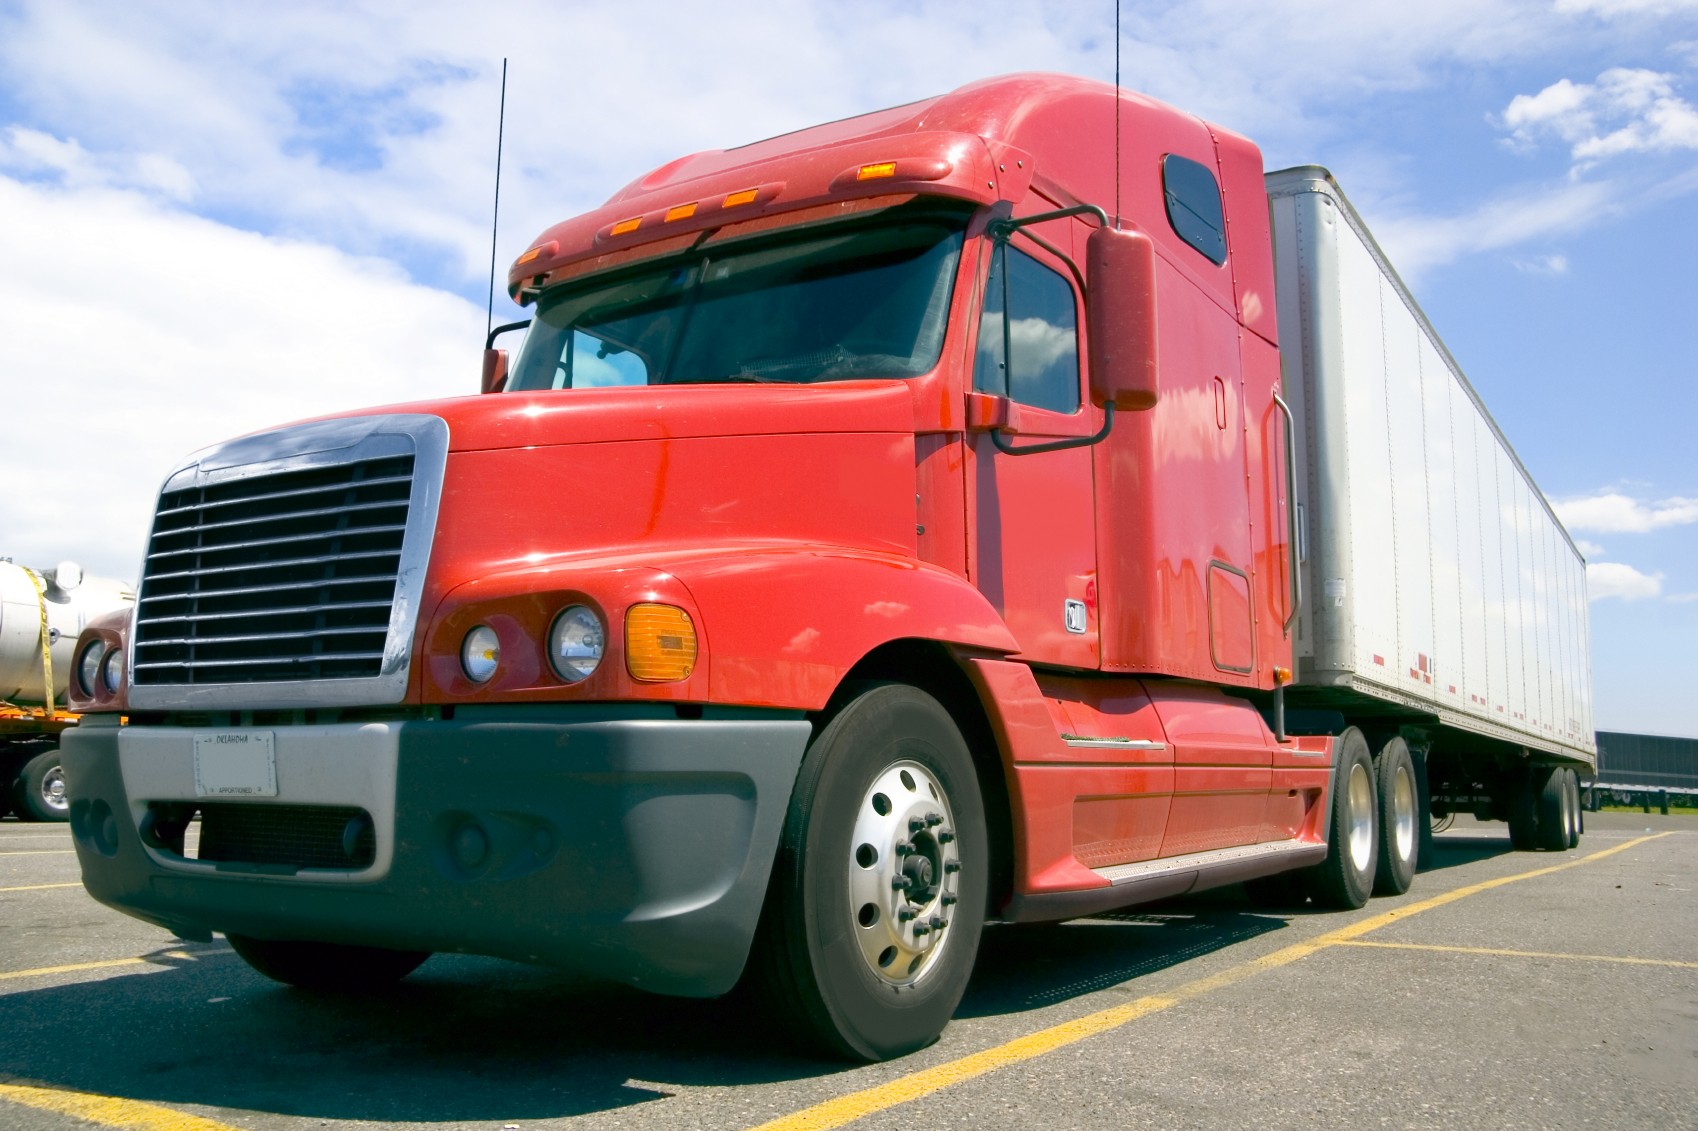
(495, 221)
(1116, 114)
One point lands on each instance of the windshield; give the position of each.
(870, 301)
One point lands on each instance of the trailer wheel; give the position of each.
(878, 894)
(327, 967)
(1345, 879)
(1400, 818)
(1555, 815)
(38, 794)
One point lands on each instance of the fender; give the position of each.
(788, 623)
(772, 624)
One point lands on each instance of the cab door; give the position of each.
(1033, 528)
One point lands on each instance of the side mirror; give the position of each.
(494, 370)
(1120, 314)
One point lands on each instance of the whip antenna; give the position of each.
(495, 221)
(1116, 113)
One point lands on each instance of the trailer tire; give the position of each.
(1554, 814)
(1572, 785)
(874, 912)
(327, 967)
(1345, 879)
(1523, 814)
(38, 794)
(1400, 818)
(1424, 811)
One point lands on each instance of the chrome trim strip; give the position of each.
(1094, 742)
(1119, 874)
(323, 444)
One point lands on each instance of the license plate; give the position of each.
(236, 764)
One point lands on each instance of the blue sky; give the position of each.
(215, 217)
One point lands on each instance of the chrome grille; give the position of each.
(284, 569)
(285, 576)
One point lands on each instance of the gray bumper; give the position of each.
(594, 838)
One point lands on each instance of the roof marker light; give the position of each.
(624, 226)
(882, 169)
(531, 254)
(747, 196)
(681, 212)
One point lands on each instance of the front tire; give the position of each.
(39, 792)
(878, 894)
(1555, 813)
(327, 967)
(1345, 879)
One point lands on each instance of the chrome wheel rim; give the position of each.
(53, 791)
(1403, 813)
(1359, 800)
(904, 874)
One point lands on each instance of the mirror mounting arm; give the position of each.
(1002, 445)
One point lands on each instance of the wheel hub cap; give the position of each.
(904, 873)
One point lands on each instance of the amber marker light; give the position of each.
(660, 643)
(747, 196)
(872, 172)
(681, 212)
(530, 255)
(624, 226)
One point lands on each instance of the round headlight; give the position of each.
(576, 643)
(88, 667)
(481, 653)
(112, 671)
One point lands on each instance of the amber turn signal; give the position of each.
(660, 643)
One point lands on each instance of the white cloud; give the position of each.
(1617, 579)
(1542, 265)
(1589, 550)
(34, 153)
(1418, 243)
(136, 334)
(1627, 110)
(1611, 512)
(1682, 598)
(1615, 9)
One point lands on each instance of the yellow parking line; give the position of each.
(1495, 953)
(107, 964)
(40, 887)
(44, 971)
(108, 1111)
(847, 1109)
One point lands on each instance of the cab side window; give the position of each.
(1193, 205)
(1040, 334)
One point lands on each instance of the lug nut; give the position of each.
(903, 848)
(921, 930)
(900, 883)
(906, 913)
(934, 819)
(944, 836)
(939, 922)
(949, 899)
(952, 866)
(916, 824)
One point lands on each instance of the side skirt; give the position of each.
(1148, 880)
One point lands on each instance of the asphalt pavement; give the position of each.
(1506, 990)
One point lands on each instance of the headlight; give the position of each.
(88, 667)
(481, 653)
(576, 643)
(112, 671)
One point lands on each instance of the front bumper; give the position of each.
(608, 839)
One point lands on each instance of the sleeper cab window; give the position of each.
(1193, 205)
(1041, 334)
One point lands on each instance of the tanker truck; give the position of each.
(41, 614)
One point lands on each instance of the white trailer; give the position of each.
(1442, 598)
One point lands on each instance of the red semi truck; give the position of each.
(887, 528)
